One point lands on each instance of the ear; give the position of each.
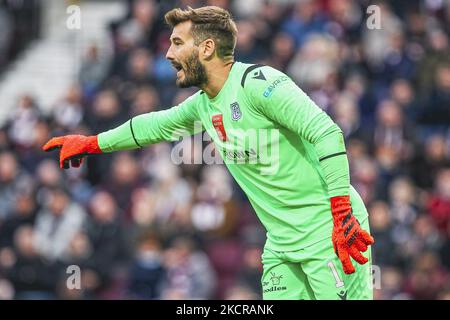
(207, 49)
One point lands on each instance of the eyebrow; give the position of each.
(176, 38)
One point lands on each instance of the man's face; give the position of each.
(184, 56)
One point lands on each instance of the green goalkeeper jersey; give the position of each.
(286, 154)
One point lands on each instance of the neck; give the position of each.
(217, 75)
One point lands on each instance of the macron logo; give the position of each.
(259, 75)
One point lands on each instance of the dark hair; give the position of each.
(208, 22)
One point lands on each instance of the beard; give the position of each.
(194, 72)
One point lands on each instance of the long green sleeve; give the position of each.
(153, 127)
(285, 103)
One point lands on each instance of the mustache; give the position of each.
(177, 65)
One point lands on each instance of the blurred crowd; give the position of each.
(141, 227)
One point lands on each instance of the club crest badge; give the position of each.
(236, 113)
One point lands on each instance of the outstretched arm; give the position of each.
(142, 130)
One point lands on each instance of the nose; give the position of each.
(169, 55)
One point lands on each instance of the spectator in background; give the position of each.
(397, 61)
(282, 51)
(389, 161)
(106, 112)
(226, 256)
(138, 29)
(365, 178)
(267, 20)
(247, 47)
(392, 281)
(425, 237)
(402, 93)
(189, 272)
(345, 18)
(99, 249)
(314, 67)
(171, 195)
(249, 275)
(305, 19)
(315, 62)
(432, 157)
(105, 232)
(381, 226)
(145, 100)
(142, 210)
(79, 254)
(139, 68)
(377, 42)
(437, 52)
(247, 9)
(214, 192)
(147, 272)
(427, 278)
(124, 178)
(356, 84)
(22, 122)
(93, 70)
(392, 129)
(24, 213)
(56, 224)
(69, 112)
(438, 101)
(48, 176)
(403, 203)
(38, 284)
(13, 181)
(31, 157)
(438, 205)
(163, 72)
(346, 115)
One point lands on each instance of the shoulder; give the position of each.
(257, 73)
(261, 80)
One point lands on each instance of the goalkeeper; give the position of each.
(296, 176)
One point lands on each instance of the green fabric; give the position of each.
(281, 174)
(315, 273)
(289, 106)
(153, 127)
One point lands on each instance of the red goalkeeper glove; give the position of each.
(349, 240)
(73, 149)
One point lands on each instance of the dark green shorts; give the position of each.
(315, 272)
